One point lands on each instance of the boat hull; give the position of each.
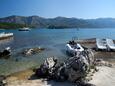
(74, 50)
(5, 35)
(24, 30)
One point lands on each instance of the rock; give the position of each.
(31, 51)
(47, 68)
(101, 62)
(5, 53)
(84, 84)
(2, 80)
(77, 67)
(28, 52)
(74, 69)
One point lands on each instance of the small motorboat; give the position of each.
(24, 29)
(73, 48)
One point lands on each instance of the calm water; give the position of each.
(52, 39)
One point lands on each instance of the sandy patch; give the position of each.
(104, 77)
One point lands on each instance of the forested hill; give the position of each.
(58, 22)
(10, 25)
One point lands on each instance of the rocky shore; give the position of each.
(103, 76)
(89, 68)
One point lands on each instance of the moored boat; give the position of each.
(73, 48)
(24, 29)
(4, 35)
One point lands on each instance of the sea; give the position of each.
(53, 40)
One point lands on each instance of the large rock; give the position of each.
(5, 53)
(77, 67)
(73, 69)
(47, 68)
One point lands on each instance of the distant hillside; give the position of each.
(11, 26)
(60, 22)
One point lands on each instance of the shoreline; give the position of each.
(89, 43)
(21, 78)
(104, 77)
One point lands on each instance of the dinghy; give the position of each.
(73, 48)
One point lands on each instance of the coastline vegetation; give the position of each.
(5, 25)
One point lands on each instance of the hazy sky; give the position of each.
(53, 8)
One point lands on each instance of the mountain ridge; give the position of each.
(59, 22)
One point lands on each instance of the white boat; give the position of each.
(5, 35)
(74, 48)
(101, 44)
(110, 44)
(24, 29)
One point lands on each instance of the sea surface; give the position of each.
(53, 40)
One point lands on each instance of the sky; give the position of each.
(87, 9)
